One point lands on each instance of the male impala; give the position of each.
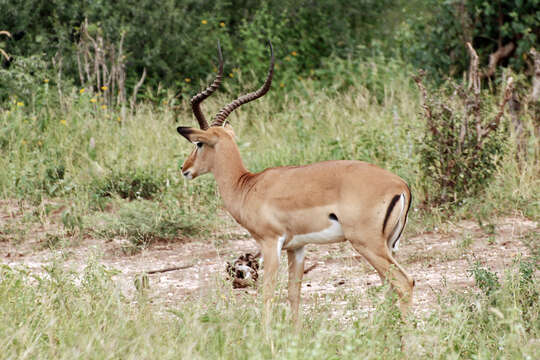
(292, 206)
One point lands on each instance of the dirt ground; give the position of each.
(439, 260)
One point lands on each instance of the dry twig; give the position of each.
(535, 93)
(136, 90)
(174, 268)
(495, 123)
(418, 79)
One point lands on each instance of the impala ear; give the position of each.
(195, 135)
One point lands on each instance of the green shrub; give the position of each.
(143, 222)
(129, 184)
(463, 142)
(433, 38)
(486, 280)
(28, 82)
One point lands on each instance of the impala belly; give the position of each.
(331, 234)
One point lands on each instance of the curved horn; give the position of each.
(223, 113)
(198, 99)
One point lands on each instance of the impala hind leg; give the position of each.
(380, 258)
(296, 273)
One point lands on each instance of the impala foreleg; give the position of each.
(296, 272)
(270, 252)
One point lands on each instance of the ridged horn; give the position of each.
(225, 111)
(198, 99)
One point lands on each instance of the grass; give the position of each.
(62, 314)
(106, 174)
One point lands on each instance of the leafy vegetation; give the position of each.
(460, 150)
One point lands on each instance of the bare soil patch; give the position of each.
(439, 261)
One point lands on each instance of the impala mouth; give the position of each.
(188, 175)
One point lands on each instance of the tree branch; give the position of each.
(495, 123)
(535, 93)
(425, 105)
(136, 89)
(501, 53)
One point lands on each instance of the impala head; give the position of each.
(218, 138)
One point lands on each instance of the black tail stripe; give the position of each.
(389, 211)
(406, 214)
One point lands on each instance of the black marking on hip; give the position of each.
(406, 213)
(333, 216)
(389, 211)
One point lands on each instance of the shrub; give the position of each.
(460, 150)
(143, 222)
(486, 280)
(128, 184)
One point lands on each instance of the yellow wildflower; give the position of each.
(93, 100)
(82, 91)
(104, 88)
(104, 107)
(39, 143)
(46, 81)
(294, 53)
(63, 122)
(20, 103)
(187, 80)
(204, 22)
(119, 119)
(231, 75)
(222, 24)
(281, 84)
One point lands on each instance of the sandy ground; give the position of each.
(439, 261)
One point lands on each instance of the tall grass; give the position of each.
(64, 315)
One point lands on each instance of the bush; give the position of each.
(129, 184)
(433, 38)
(143, 222)
(27, 82)
(460, 150)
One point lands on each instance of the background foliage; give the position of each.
(175, 40)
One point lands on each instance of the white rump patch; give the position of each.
(332, 234)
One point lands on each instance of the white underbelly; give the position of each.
(332, 234)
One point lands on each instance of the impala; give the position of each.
(287, 208)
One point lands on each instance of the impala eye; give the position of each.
(199, 144)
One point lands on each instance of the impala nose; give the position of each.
(186, 173)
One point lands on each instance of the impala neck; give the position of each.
(228, 171)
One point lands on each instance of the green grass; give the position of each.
(65, 315)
